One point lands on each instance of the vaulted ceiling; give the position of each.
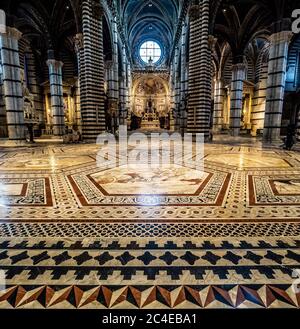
(150, 19)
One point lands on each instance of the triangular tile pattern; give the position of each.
(150, 297)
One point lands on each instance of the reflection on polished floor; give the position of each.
(73, 235)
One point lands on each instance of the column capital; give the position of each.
(55, 63)
(97, 9)
(78, 42)
(194, 12)
(212, 42)
(12, 33)
(238, 67)
(108, 64)
(283, 36)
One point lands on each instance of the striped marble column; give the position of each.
(129, 86)
(92, 75)
(123, 88)
(199, 105)
(113, 73)
(172, 95)
(276, 84)
(177, 85)
(259, 101)
(78, 119)
(183, 80)
(236, 97)
(78, 43)
(297, 110)
(12, 86)
(218, 106)
(3, 124)
(57, 100)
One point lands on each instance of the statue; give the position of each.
(29, 112)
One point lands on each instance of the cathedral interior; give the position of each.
(76, 235)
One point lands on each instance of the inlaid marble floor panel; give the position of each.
(74, 234)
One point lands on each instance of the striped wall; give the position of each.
(227, 70)
(276, 84)
(14, 103)
(92, 75)
(293, 78)
(293, 74)
(69, 69)
(199, 105)
(259, 100)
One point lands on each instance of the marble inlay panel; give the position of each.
(25, 192)
(274, 190)
(243, 161)
(181, 189)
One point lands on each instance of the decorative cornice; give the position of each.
(12, 33)
(55, 63)
(78, 42)
(279, 37)
(238, 67)
(212, 41)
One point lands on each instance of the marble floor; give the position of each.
(75, 235)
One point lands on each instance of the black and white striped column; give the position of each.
(199, 105)
(3, 124)
(78, 120)
(12, 86)
(259, 101)
(57, 100)
(78, 40)
(92, 75)
(297, 111)
(129, 90)
(113, 76)
(113, 82)
(183, 80)
(276, 84)
(236, 97)
(218, 106)
(177, 73)
(123, 88)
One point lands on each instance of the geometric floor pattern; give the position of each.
(73, 235)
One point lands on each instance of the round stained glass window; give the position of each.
(150, 50)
